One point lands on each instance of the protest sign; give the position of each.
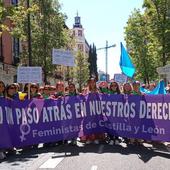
(120, 78)
(63, 57)
(29, 75)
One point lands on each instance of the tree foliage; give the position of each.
(81, 70)
(147, 37)
(92, 60)
(157, 12)
(48, 31)
(12, 18)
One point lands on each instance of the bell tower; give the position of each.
(77, 22)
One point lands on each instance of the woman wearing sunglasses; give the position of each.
(11, 92)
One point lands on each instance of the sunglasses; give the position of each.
(12, 88)
(113, 85)
(33, 87)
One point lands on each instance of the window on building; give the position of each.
(77, 20)
(16, 50)
(14, 2)
(74, 33)
(80, 33)
(81, 47)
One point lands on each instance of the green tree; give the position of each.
(48, 31)
(16, 16)
(81, 70)
(141, 45)
(158, 12)
(93, 61)
(3, 14)
(148, 37)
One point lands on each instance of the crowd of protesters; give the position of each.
(16, 92)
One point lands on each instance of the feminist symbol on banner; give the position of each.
(25, 130)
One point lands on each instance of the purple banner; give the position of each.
(36, 121)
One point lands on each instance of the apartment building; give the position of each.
(9, 52)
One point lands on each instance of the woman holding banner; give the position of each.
(136, 88)
(34, 91)
(127, 90)
(47, 95)
(93, 91)
(72, 92)
(2, 95)
(114, 89)
(136, 91)
(11, 92)
(46, 92)
(59, 89)
(103, 87)
(2, 89)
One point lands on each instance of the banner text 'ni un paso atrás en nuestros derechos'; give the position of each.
(36, 121)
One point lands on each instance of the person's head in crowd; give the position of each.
(127, 88)
(11, 91)
(60, 87)
(17, 87)
(92, 87)
(26, 88)
(2, 88)
(84, 90)
(147, 86)
(136, 86)
(52, 90)
(103, 86)
(167, 88)
(33, 89)
(144, 86)
(152, 86)
(46, 90)
(114, 88)
(72, 89)
(40, 90)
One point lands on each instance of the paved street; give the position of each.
(91, 157)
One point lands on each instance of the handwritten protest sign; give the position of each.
(63, 57)
(29, 75)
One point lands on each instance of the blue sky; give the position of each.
(102, 20)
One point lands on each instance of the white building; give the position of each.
(78, 33)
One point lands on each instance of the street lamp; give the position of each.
(106, 48)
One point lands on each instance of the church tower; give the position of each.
(77, 22)
(78, 33)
